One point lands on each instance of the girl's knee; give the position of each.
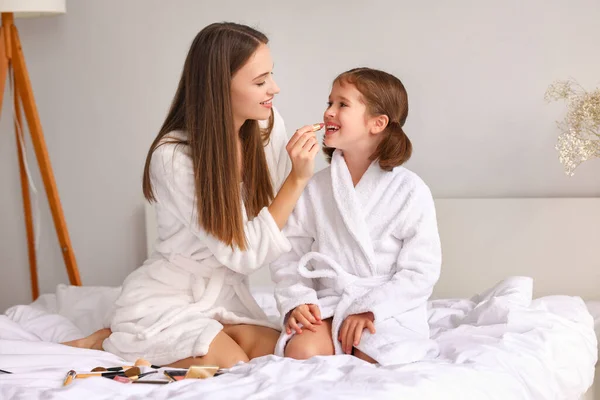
(299, 352)
(306, 350)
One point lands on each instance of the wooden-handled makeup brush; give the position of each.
(135, 371)
(140, 362)
(112, 369)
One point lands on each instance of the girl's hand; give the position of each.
(307, 315)
(302, 148)
(352, 328)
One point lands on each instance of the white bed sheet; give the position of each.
(497, 345)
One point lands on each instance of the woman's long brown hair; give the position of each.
(202, 109)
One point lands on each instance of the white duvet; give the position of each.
(497, 345)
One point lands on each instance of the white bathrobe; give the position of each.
(374, 247)
(174, 305)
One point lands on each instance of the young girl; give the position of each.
(365, 245)
(223, 190)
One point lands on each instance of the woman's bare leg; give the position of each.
(255, 341)
(309, 344)
(223, 351)
(94, 341)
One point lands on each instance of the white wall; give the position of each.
(104, 75)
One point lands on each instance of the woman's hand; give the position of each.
(302, 149)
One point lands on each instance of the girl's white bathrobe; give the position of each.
(374, 247)
(172, 307)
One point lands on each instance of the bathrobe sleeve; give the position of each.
(418, 264)
(173, 182)
(291, 289)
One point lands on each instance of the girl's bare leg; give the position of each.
(309, 344)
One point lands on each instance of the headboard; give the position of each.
(556, 241)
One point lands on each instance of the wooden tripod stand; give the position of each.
(12, 66)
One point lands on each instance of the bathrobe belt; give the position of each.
(207, 283)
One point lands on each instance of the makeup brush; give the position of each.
(135, 371)
(112, 369)
(69, 378)
(140, 362)
(136, 377)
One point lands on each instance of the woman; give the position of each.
(221, 178)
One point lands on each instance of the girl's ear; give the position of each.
(379, 123)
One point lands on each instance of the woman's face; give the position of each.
(253, 88)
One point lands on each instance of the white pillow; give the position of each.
(90, 308)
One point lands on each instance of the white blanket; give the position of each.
(370, 248)
(498, 345)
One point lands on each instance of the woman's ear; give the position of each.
(379, 123)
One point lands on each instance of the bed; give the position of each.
(514, 314)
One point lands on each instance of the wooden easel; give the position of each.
(12, 66)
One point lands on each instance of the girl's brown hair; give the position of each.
(202, 109)
(383, 94)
